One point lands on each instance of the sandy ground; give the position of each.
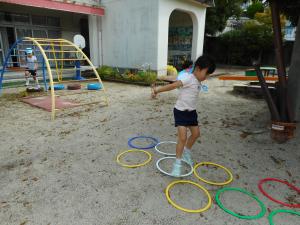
(64, 172)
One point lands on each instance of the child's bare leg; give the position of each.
(181, 140)
(195, 134)
(187, 155)
(36, 81)
(27, 75)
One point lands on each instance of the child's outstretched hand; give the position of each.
(153, 93)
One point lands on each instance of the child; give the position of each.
(185, 114)
(187, 69)
(31, 68)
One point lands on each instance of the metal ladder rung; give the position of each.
(66, 59)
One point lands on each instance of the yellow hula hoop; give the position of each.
(210, 182)
(134, 165)
(184, 209)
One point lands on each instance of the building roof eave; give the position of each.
(61, 6)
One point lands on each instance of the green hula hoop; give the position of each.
(262, 206)
(273, 213)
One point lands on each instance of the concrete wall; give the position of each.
(129, 33)
(197, 13)
(95, 35)
(135, 32)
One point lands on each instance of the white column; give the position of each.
(95, 39)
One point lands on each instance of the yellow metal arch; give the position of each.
(40, 42)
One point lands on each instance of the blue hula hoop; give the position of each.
(145, 137)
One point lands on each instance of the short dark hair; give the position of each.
(187, 64)
(205, 61)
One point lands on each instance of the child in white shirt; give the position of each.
(185, 114)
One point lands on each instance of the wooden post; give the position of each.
(272, 107)
(282, 87)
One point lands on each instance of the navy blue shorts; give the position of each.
(32, 72)
(185, 118)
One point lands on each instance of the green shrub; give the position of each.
(145, 77)
(106, 72)
(248, 43)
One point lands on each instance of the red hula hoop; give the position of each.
(273, 199)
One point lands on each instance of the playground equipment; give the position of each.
(55, 52)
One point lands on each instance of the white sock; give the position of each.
(37, 83)
(187, 150)
(178, 161)
(27, 81)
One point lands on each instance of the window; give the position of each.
(5, 17)
(39, 20)
(39, 34)
(53, 21)
(21, 18)
(23, 33)
(54, 34)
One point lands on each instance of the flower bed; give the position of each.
(139, 77)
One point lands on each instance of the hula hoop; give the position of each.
(273, 199)
(165, 153)
(94, 86)
(169, 174)
(262, 206)
(58, 87)
(210, 182)
(134, 165)
(273, 213)
(184, 209)
(142, 137)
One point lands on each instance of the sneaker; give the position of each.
(186, 156)
(176, 171)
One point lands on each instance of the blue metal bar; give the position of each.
(6, 60)
(44, 76)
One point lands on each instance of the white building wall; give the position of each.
(95, 37)
(135, 32)
(197, 13)
(129, 33)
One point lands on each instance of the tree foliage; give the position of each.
(248, 43)
(255, 7)
(292, 9)
(266, 18)
(217, 16)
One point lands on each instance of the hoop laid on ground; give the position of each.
(141, 147)
(261, 182)
(58, 87)
(273, 213)
(94, 86)
(210, 182)
(169, 174)
(184, 209)
(74, 87)
(262, 206)
(165, 153)
(134, 165)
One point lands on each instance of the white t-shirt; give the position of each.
(30, 62)
(188, 94)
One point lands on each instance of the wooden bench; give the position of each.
(245, 78)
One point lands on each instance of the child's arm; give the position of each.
(168, 87)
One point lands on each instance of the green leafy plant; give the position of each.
(146, 77)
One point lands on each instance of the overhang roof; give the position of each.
(59, 5)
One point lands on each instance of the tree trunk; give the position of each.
(294, 77)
